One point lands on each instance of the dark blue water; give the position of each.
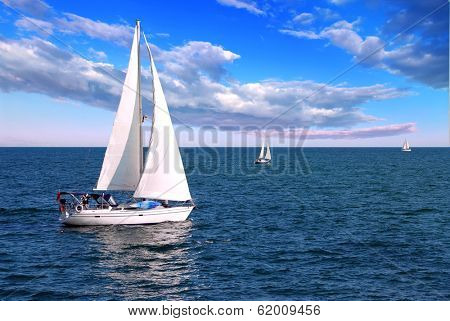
(332, 224)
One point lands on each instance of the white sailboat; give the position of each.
(161, 179)
(406, 147)
(264, 158)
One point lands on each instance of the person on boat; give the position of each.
(85, 200)
(62, 205)
(165, 203)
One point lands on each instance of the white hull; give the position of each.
(406, 150)
(127, 217)
(262, 161)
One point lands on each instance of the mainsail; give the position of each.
(261, 154)
(268, 156)
(163, 177)
(122, 165)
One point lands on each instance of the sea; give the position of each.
(316, 224)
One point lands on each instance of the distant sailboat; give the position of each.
(406, 147)
(161, 179)
(264, 159)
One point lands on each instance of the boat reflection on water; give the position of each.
(148, 261)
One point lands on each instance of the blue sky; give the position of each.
(230, 63)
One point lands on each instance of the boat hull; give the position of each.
(262, 161)
(406, 150)
(126, 217)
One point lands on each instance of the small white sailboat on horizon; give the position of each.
(264, 158)
(406, 147)
(160, 188)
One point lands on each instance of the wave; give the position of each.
(23, 277)
(422, 211)
(25, 210)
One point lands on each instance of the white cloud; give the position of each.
(34, 7)
(190, 85)
(37, 66)
(194, 81)
(250, 6)
(196, 58)
(327, 13)
(359, 133)
(37, 25)
(69, 23)
(162, 34)
(73, 24)
(99, 55)
(417, 61)
(339, 2)
(308, 34)
(341, 34)
(377, 131)
(304, 18)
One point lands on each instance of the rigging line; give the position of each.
(358, 62)
(105, 71)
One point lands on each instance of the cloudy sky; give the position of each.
(345, 72)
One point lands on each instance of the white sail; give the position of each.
(406, 145)
(261, 154)
(122, 165)
(163, 177)
(268, 156)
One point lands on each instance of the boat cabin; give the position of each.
(79, 201)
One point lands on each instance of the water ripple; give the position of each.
(366, 224)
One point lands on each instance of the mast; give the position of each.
(141, 116)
